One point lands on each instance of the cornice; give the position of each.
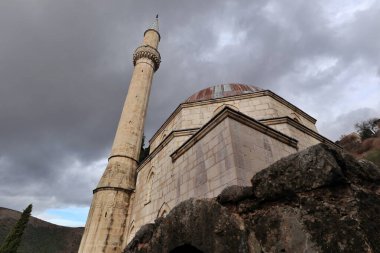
(231, 98)
(299, 126)
(291, 106)
(112, 188)
(239, 117)
(171, 136)
(167, 121)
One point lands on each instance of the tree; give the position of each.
(367, 129)
(13, 239)
(144, 152)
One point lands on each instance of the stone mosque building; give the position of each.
(219, 136)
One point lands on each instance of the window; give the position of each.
(149, 187)
(131, 231)
(163, 211)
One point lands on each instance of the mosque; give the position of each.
(219, 136)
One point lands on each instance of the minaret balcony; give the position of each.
(146, 51)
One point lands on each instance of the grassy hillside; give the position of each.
(41, 236)
(368, 149)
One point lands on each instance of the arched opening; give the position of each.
(131, 232)
(149, 189)
(164, 210)
(186, 249)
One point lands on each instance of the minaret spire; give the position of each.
(154, 27)
(108, 215)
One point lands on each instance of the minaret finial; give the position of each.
(154, 25)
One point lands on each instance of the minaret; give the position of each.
(107, 218)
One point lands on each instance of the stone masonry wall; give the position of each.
(283, 111)
(318, 200)
(304, 140)
(261, 107)
(156, 174)
(216, 161)
(254, 151)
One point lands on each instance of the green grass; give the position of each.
(373, 156)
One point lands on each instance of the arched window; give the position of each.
(149, 188)
(163, 211)
(131, 231)
(187, 248)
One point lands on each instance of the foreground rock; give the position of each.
(318, 200)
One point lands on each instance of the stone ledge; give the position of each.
(111, 188)
(228, 112)
(299, 126)
(168, 138)
(225, 99)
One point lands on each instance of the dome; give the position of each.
(221, 91)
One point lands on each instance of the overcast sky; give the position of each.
(65, 68)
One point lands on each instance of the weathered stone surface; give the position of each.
(143, 235)
(304, 171)
(234, 193)
(319, 200)
(204, 224)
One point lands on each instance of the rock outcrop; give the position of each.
(318, 200)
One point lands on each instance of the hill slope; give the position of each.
(368, 149)
(41, 236)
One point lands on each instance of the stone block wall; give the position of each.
(258, 107)
(254, 151)
(304, 139)
(283, 111)
(173, 124)
(228, 154)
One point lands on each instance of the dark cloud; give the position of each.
(65, 67)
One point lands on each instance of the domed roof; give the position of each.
(222, 90)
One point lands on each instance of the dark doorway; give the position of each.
(186, 249)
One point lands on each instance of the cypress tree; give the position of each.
(13, 239)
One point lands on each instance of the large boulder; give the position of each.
(202, 223)
(318, 200)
